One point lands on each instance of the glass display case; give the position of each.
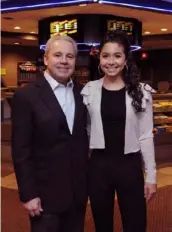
(162, 108)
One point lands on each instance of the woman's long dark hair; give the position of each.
(131, 73)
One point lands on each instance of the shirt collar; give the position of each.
(54, 84)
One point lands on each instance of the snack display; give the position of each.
(160, 119)
(157, 107)
(169, 128)
(162, 106)
(165, 105)
(170, 119)
(162, 116)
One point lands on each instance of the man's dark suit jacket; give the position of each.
(49, 162)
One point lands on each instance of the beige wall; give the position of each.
(10, 55)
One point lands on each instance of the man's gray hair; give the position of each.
(61, 37)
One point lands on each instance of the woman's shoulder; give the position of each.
(95, 83)
(90, 86)
(147, 90)
(147, 87)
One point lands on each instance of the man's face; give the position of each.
(60, 60)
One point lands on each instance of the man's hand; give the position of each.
(33, 207)
(150, 191)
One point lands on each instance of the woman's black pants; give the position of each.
(121, 174)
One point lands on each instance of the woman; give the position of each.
(120, 110)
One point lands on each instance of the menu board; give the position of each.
(65, 27)
(89, 29)
(121, 25)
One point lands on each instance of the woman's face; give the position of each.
(112, 59)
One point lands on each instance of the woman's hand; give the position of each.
(150, 191)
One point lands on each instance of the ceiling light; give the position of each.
(164, 29)
(147, 32)
(17, 28)
(16, 43)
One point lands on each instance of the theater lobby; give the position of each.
(154, 57)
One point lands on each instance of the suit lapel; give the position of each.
(51, 101)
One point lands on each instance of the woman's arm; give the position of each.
(146, 140)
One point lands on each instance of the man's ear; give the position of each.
(45, 59)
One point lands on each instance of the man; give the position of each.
(50, 144)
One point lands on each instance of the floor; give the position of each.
(14, 218)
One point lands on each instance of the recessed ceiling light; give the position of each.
(164, 29)
(17, 28)
(82, 4)
(16, 43)
(147, 32)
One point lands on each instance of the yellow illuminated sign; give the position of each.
(3, 71)
(114, 25)
(65, 27)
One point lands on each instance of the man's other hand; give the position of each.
(33, 207)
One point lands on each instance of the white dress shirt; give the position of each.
(65, 97)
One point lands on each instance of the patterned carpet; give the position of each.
(14, 218)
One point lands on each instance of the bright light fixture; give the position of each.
(82, 4)
(164, 29)
(17, 28)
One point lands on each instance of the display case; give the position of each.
(162, 108)
(162, 111)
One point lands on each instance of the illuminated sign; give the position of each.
(88, 30)
(65, 27)
(114, 25)
(27, 66)
(3, 71)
